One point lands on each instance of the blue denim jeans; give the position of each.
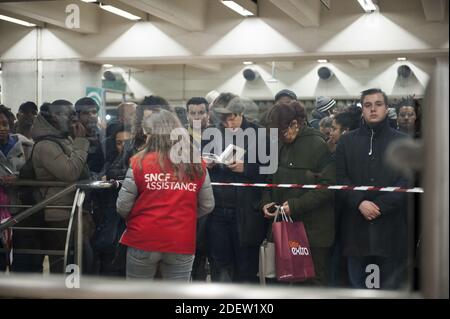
(229, 260)
(143, 265)
(392, 271)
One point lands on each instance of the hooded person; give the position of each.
(58, 157)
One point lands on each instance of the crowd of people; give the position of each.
(167, 221)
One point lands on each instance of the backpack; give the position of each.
(27, 170)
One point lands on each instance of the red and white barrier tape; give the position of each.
(333, 187)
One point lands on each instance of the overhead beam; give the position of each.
(210, 67)
(123, 6)
(283, 65)
(21, 17)
(189, 15)
(434, 10)
(137, 68)
(247, 5)
(54, 13)
(305, 12)
(360, 63)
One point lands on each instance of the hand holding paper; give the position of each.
(237, 167)
(232, 155)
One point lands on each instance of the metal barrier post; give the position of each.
(79, 245)
(69, 228)
(77, 203)
(30, 211)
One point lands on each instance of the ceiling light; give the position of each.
(247, 62)
(367, 5)
(119, 12)
(89, 0)
(233, 5)
(107, 66)
(322, 60)
(402, 58)
(14, 20)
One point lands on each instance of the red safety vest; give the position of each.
(164, 216)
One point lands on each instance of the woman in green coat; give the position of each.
(303, 158)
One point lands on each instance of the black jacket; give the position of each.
(96, 157)
(360, 162)
(246, 200)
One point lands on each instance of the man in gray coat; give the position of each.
(58, 157)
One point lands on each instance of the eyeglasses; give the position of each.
(291, 125)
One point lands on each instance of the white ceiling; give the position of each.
(205, 34)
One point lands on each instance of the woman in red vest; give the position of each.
(163, 194)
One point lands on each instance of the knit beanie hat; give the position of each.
(324, 103)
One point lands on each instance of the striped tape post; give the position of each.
(333, 187)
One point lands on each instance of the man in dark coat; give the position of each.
(374, 228)
(87, 111)
(236, 227)
(197, 111)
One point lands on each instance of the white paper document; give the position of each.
(230, 155)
